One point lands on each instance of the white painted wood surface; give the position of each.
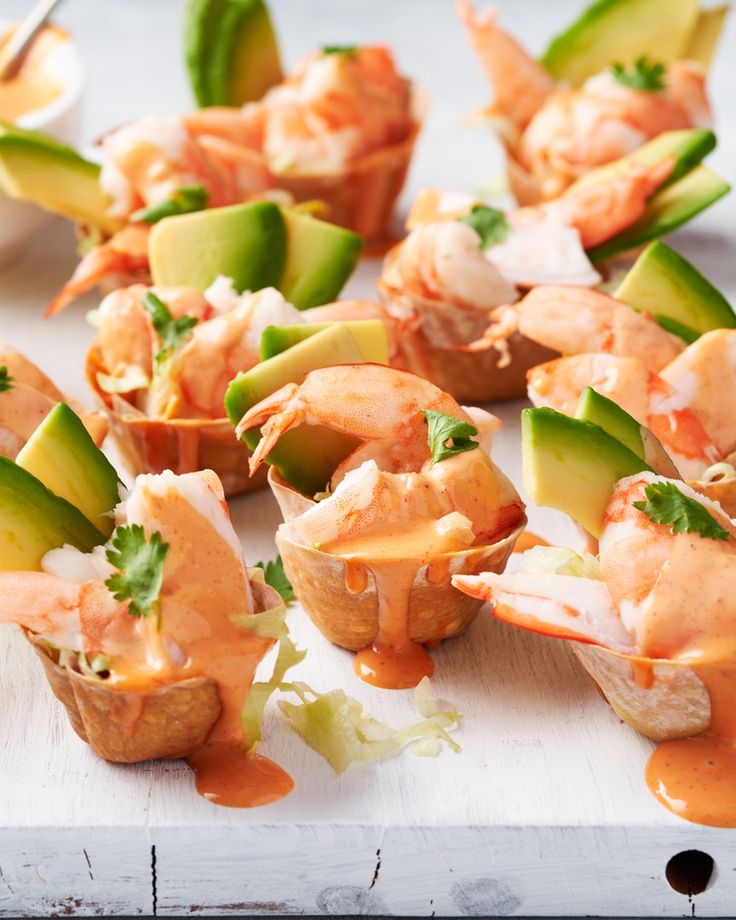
(545, 811)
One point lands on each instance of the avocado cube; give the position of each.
(62, 455)
(666, 285)
(33, 521)
(573, 465)
(370, 334)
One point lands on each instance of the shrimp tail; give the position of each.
(275, 415)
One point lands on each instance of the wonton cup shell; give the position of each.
(469, 376)
(722, 491)
(363, 196)
(436, 610)
(663, 700)
(131, 726)
(184, 445)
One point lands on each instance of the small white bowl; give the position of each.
(62, 119)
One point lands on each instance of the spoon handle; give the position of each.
(12, 53)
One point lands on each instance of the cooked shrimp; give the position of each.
(649, 398)
(599, 211)
(444, 261)
(574, 320)
(375, 403)
(520, 83)
(125, 254)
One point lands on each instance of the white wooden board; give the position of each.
(545, 811)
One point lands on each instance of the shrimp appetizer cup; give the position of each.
(151, 647)
(27, 396)
(555, 133)
(652, 619)
(416, 501)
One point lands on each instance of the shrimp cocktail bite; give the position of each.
(656, 633)
(555, 132)
(415, 501)
(163, 357)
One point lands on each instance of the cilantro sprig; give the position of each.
(645, 75)
(185, 199)
(339, 49)
(140, 565)
(667, 505)
(6, 381)
(171, 331)
(448, 436)
(489, 223)
(276, 577)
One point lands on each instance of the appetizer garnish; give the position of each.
(656, 636)
(408, 505)
(27, 396)
(163, 359)
(555, 134)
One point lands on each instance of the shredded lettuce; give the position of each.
(559, 560)
(95, 667)
(338, 727)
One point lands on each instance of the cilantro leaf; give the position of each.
(6, 381)
(647, 76)
(172, 331)
(339, 49)
(186, 199)
(489, 223)
(666, 504)
(276, 577)
(443, 428)
(141, 569)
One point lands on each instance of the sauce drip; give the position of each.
(31, 88)
(225, 775)
(527, 540)
(393, 557)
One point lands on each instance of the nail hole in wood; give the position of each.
(690, 872)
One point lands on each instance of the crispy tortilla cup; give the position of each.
(131, 726)
(437, 610)
(430, 349)
(663, 700)
(363, 196)
(150, 445)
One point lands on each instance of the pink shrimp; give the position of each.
(575, 320)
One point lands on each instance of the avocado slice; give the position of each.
(370, 334)
(320, 258)
(573, 465)
(62, 455)
(306, 456)
(231, 51)
(620, 31)
(245, 242)
(33, 520)
(666, 285)
(704, 38)
(594, 407)
(689, 146)
(34, 167)
(668, 209)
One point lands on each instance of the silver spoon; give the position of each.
(12, 54)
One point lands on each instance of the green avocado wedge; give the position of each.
(63, 456)
(704, 38)
(370, 334)
(594, 407)
(620, 31)
(34, 167)
(573, 465)
(33, 521)
(668, 209)
(320, 258)
(305, 456)
(666, 285)
(245, 242)
(231, 51)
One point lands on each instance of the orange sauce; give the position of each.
(203, 589)
(31, 88)
(393, 557)
(527, 540)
